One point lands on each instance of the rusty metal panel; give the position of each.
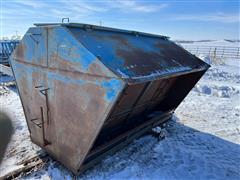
(137, 57)
(68, 54)
(85, 90)
(33, 49)
(80, 91)
(79, 108)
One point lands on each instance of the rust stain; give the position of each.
(172, 51)
(19, 52)
(121, 40)
(60, 63)
(95, 68)
(25, 95)
(32, 100)
(72, 52)
(72, 73)
(145, 61)
(77, 109)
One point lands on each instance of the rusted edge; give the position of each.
(105, 116)
(103, 28)
(20, 96)
(167, 76)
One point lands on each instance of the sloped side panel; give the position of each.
(68, 54)
(67, 88)
(79, 106)
(30, 54)
(137, 57)
(82, 92)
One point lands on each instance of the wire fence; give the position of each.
(6, 48)
(214, 51)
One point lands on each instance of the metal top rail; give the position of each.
(96, 27)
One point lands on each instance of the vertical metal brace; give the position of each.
(135, 103)
(42, 124)
(45, 93)
(45, 142)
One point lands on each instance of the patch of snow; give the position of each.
(214, 43)
(20, 147)
(232, 62)
(219, 91)
(157, 129)
(220, 74)
(206, 59)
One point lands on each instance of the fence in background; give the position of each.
(214, 51)
(6, 48)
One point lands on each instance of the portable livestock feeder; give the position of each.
(88, 90)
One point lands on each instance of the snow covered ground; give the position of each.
(202, 140)
(213, 43)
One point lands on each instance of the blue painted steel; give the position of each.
(34, 47)
(77, 82)
(112, 87)
(63, 45)
(135, 56)
(81, 91)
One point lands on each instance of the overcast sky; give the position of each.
(205, 19)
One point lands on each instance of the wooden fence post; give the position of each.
(209, 53)
(215, 53)
(223, 51)
(238, 53)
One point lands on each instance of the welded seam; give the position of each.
(64, 70)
